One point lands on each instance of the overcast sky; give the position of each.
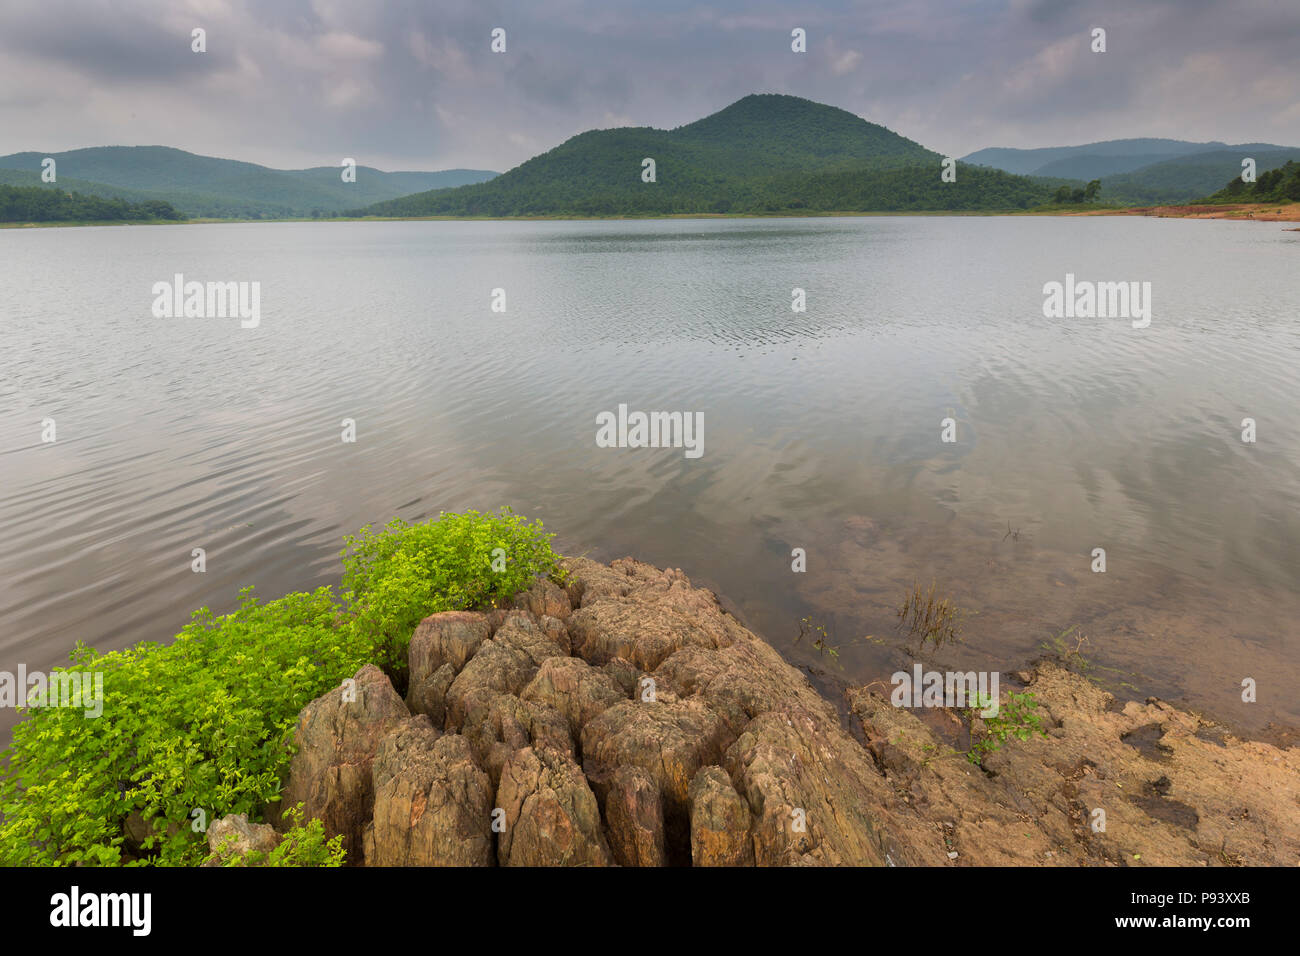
(413, 84)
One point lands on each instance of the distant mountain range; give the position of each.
(205, 186)
(1139, 171)
(763, 153)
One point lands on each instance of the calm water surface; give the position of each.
(822, 429)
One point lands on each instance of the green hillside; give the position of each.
(1095, 160)
(1097, 167)
(1137, 171)
(1111, 156)
(771, 132)
(1281, 184)
(23, 177)
(221, 188)
(1182, 180)
(765, 153)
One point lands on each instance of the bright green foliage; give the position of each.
(203, 723)
(303, 844)
(1016, 718)
(394, 578)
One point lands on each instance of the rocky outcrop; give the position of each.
(336, 740)
(626, 718)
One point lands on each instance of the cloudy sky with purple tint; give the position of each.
(414, 85)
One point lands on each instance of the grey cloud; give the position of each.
(956, 75)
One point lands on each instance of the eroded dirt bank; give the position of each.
(1258, 212)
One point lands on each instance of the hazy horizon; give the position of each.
(499, 171)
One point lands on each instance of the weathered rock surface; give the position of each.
(720, 822)
(450, 637)
(433, 804)
(234, 836)
(336, 741)
(634, 815)
(627, 718)
(503, 665)
(575, 689)
(545, 599)
(1175, 790)
(439, 649)
(725, 699)
(551, 815)
(500, 725)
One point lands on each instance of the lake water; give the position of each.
(822, 429)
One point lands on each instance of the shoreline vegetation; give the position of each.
(464, 667)
(1244, 212)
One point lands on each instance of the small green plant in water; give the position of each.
(928, 617)
(1059, 645)
(1016, 719)
(821, 642)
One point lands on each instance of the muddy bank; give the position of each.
(1137, 784)
(1257, 212)
(629, 719)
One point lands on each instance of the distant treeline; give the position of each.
(44, 204)
(1276, 185)
(912, 188)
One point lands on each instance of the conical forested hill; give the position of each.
(763, 153)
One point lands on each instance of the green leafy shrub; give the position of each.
(202, 723)
(396, 577)
(302, 844)
(205, 723)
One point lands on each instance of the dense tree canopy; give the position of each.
(1274, 185)
(42, 204)
(762, 154)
